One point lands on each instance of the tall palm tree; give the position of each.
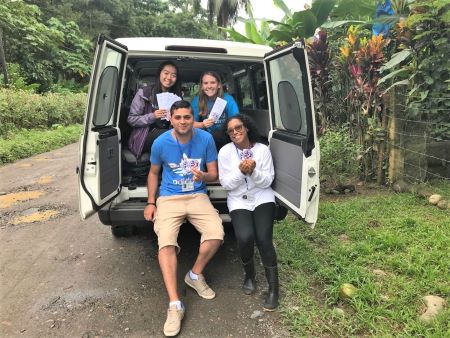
(224, 11)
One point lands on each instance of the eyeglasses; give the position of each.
(238, 129)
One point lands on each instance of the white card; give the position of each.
(165, 101)
(217, 109)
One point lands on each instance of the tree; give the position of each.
(3, 60)
(46, 53)
(224, 11)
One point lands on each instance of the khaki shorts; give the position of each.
(171, 212)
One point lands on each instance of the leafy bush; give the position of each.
(26, 143)
(339, 157)
(17, 79)
(25, 110)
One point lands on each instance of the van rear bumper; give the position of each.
(131, 212)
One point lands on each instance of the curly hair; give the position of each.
(248, 122)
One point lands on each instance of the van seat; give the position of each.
(129, 157)
(135, 170)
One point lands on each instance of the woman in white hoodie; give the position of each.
(246, 172)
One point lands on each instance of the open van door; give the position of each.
(99, 172)
(292, 139)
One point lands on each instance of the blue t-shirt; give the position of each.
(231, 109)
(176, 158)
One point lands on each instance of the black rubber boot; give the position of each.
(249, 285)
(271, 302)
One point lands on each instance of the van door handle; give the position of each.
(313, 190)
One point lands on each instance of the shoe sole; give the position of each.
(173, 334)
(248, 292)
(269, 310)
(204, 297)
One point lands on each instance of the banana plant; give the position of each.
(253, 34)
(301, 24)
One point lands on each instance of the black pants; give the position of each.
(255, 226)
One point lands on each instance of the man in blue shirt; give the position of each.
(188, 158)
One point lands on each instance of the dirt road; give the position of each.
(61, 277)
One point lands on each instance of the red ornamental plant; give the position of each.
(319, 60)
(363, 58)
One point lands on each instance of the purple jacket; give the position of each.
(141, 116)
(138, 116)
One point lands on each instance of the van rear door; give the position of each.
(100, 160)
(292, 138)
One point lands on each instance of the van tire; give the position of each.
(122, 230)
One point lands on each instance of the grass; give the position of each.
(26, 143)
(401, 234)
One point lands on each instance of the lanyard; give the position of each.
(239, 158)
(181, 151)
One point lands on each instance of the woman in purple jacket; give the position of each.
(145, 117)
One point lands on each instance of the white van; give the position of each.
(271, 86)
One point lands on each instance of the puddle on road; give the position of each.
(42, 159)
(24, 165)
(37, 216)
(45, 179)
(8, 200)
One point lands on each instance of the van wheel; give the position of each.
(122, 230)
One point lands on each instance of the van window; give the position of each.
(261, 88)
(108, 90)
(245, 99)
(288, 98)
(106, 96)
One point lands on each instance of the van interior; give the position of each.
(245, 81)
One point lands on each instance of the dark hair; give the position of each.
(176, 88)
(248, 122)
(202, 97)
(180, 104)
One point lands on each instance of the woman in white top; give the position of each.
(246, 172)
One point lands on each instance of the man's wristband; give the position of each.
(151, 203)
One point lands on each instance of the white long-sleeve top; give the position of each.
(258, 183)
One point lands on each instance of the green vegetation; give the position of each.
(31, 124)
(338, 158)
(53, 41)
(24, 110)
(400, 234)
(26, 143)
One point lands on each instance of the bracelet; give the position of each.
(151, 203)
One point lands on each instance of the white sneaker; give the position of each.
(172, 325)
(200, 286)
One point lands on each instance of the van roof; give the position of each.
(142, 44)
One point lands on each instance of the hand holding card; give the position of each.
(217, 109)
(165, 101)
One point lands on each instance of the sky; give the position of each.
(266, 8)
